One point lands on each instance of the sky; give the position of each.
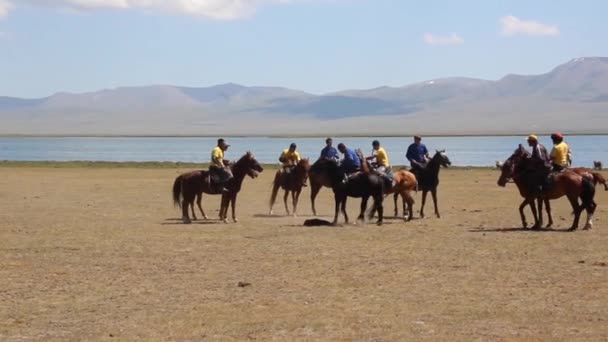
(319, 46)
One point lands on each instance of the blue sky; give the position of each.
(318, 46)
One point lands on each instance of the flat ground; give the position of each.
(93, 253)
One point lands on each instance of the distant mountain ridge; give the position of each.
(574, 95)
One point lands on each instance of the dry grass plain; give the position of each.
(99, 254)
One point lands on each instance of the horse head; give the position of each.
(302, 168)
(442, 158)
(248, 165)
(508, 167)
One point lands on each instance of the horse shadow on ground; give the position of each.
(178, 222)
(517, 229)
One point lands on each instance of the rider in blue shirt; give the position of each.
(417, 153)
(329, 152)
(351, 161)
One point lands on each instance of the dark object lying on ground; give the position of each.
(316, 222)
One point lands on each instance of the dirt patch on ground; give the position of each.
(101, 254)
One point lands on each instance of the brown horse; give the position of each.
(566, 183)
(318, 179)
(428, 178)
(291, 182)
(404, 183)
(191, 185)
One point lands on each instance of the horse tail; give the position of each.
(587, 195)
(599, 178)
(177, 191)
(276, 184)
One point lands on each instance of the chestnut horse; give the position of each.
(428, 178)
(191, 185)
(292, 182)
(566, 183)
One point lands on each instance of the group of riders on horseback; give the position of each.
(350, 164)
(543, 164)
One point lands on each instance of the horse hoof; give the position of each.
(550, 225)
(205, 218)
(186, 221)
(379, 223)
(587, 227)
(235, 220)
(571, 229)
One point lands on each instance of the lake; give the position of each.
(463, 151)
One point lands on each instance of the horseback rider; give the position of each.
(418, 155)
(220, 167)
(350, 163)
(329, 152)
(560, 152)
(381, 164)
(540, 166)
(289, 159)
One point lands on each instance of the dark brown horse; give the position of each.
(428, 178)
(362, 185)
(404, 181)
(191, 185)
(290, 182)
(566, 183)
(318, 178)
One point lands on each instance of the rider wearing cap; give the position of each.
(218, 165)
(559, 153)
(540, 165)
(289, 159)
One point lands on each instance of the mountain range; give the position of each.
(573, 97)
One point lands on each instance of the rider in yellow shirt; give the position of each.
(559, 153)
(218, 166)
(381, 165)
(379, 154)
(289, 159)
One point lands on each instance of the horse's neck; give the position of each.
(238, 172)
(433, 166)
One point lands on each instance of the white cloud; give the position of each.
(217, 9)
(5, 6)
(450, 39)
(513, 26)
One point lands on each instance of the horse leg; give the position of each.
(410, 206)
(577, 209)
(296, 197)
(395, 197)
(521, 213)
(363, 208)
(424, 192)
(225, 201)
(314, 190)
(378, 206)
(540, 212)
(185, 207)
(548, 207)
(533, 206)
(343, 208)
(233, 206)
(337, 200)
(434, 194)
(192, 209)
(285, 201)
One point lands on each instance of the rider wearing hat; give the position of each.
(219, 166)
(559, 153)
(289, 159)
